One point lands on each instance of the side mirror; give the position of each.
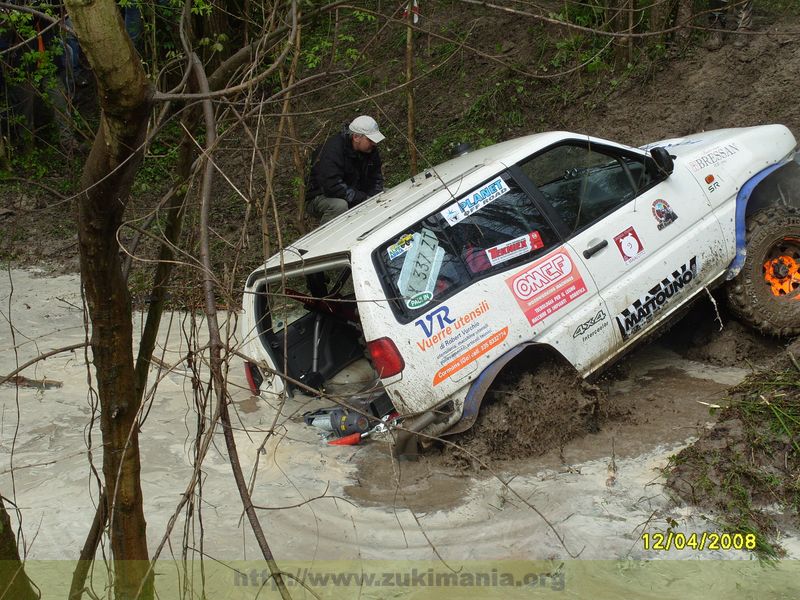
(663, 161)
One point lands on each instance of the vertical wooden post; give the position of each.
(412, 147)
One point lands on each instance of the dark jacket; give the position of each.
(338, 171)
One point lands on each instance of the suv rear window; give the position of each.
(494, 227)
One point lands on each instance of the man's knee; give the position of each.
(327, 208)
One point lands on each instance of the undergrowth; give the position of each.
(747, 467)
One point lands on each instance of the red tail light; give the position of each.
(386, 357)
(254, 378)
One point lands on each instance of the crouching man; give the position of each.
(345, 170)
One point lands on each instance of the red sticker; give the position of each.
(512, 248)
(629, 245)
(547, 286)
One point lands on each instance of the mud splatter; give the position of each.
(527, 414)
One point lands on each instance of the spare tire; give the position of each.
(766, 292)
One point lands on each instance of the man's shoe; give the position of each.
(743, 39)
(714, 41)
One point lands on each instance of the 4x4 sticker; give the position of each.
(420, 268)
(600, 317)
(513, 248)
(474, 201)
(547, 286)
(642, 311)
(663, 213)
(629, 245)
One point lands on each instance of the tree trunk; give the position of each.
(125, 99)
(683, 18)
(412, 148)
(14, 582)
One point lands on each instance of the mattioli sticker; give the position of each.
(663, 213)
(629, 245)
(713, 157)
(547, 286)
(512, 248)
(401, 246)
(645, 308)
(475, 201)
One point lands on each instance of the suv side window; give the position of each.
(584, 183)
(491, 229)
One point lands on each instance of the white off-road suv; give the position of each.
(554, 242)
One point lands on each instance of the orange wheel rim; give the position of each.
(782, 275)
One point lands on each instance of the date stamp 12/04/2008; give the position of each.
(707, 540)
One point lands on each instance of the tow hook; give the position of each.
(406, 443)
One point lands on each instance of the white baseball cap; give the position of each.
(367, 126)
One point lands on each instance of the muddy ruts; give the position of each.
(638, 314)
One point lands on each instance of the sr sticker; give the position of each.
(401, 246)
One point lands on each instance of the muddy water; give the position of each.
(345, 502)
(660, 399)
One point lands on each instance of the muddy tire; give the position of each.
(766, 292)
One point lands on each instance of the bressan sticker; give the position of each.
(474, 201)
(663, 213)
(715, 156)
(645, 308)
(512, 248)
(547, 286)
(629, 245)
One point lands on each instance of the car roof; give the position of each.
(392, 211)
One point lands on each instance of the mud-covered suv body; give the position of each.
(560, 241)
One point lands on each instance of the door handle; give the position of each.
(592, 250)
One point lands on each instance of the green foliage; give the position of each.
(160, 160)
(753, 461)
(586, 14)
(201, 7)
(501, 103)
(216, 44)
(363, 17)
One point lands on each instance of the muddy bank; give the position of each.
(746, 468)
(661, 394)
(529, 413)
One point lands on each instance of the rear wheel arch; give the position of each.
(520, 359)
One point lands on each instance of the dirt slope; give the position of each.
(730, 87)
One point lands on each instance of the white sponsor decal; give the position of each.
(642, 311)
(474, 201)
(713, 157)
